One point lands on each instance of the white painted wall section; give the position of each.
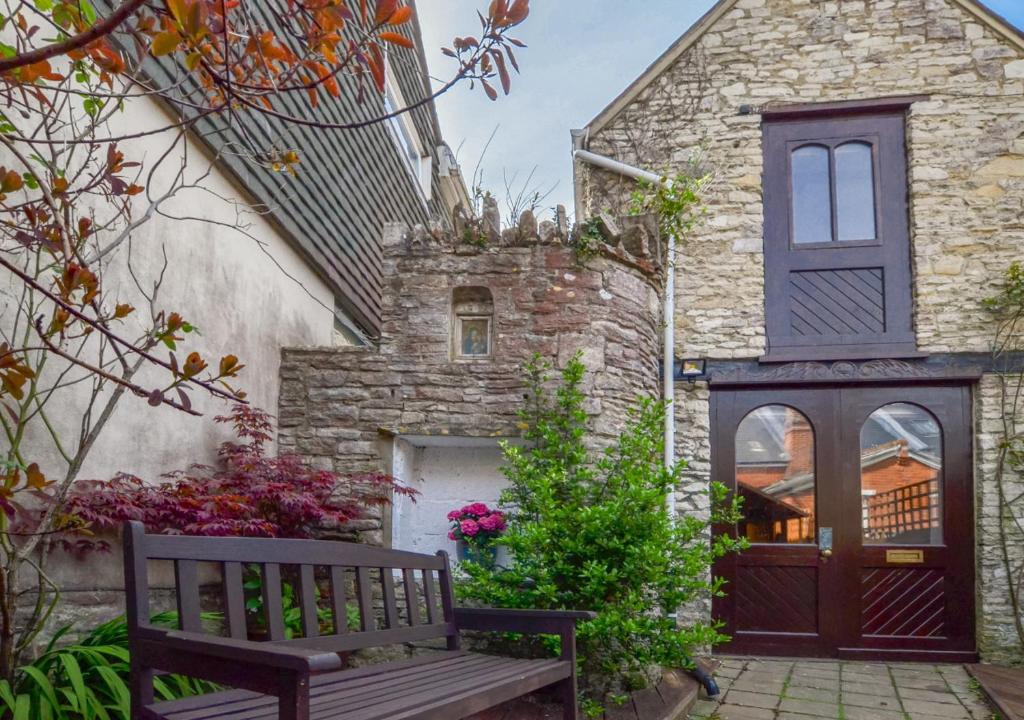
(447, 476)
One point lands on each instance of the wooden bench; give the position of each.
(304, 678)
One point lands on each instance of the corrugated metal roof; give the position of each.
(349, 182)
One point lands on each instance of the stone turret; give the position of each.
(461, 314)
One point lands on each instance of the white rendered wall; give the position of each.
(234, 276)
(447, 477)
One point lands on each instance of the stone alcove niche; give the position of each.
(472, 323)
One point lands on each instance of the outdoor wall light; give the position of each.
(692, 369)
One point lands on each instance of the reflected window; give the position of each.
(833, 193)
(901, 476)
(775, 476)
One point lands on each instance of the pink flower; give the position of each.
(493, 522)
(454, 514)
(478, 509)
(451, 535)
(469, 528)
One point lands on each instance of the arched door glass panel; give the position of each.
(901, 476)
(855, 191)
(812, 195)
(775, 476)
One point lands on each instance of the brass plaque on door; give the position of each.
(904, 556)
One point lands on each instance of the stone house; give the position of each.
(867, 159)
(867, 165)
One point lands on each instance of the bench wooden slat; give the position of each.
(186, 581)
(319, 684)
(374, 638)
(307, 600)
(448, 598)
(273, 612)
(339, 601)
(412, 606)
(282, 552)
(387, 581)
(465, 695)
(431, 596)
(334, 696)
(340, 694)
(234, 599)
(366, 619)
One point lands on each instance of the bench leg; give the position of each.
(293, 697)
(140, 688)
(568, 695)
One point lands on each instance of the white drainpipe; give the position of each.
(669, 305)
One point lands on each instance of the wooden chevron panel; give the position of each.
(837, 302)
(903, 602)
(777, 599)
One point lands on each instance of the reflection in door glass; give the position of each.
(901, 476)
(775, 475)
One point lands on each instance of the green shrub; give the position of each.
(594, 534)
(87, 680)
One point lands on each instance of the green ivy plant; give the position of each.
(592, 533)
(87, 680)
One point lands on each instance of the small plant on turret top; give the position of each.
(586, 241)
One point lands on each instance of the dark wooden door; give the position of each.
(859, 510)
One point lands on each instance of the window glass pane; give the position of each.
(901, 476)
(855, 192)
(812, 195)
(775, 476)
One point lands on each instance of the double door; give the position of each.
(858, 507)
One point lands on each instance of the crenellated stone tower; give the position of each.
(462, 313)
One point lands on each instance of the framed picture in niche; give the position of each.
(474, 336)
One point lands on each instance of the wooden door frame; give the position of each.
(956, 422)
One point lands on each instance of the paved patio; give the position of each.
(805, 689)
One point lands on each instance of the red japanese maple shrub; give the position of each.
(248, 494)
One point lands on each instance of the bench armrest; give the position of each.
(523, 621)
(244, 651)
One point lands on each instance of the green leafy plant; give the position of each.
(593, 534)
(87, 680)
(587, 240)
(674, 201)
(255, 617)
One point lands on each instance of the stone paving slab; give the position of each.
(783, 689)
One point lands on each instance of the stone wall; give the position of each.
(966, 146)
(344, 407)
(997, 637)
(966, 165)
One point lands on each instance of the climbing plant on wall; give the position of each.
(1007, 310)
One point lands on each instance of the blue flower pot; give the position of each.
(475, 553)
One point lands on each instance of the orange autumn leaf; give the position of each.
(385, 11)
(401, 16)
(396, 39)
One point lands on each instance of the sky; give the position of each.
(581, 54)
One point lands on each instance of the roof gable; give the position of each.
(987, 17)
